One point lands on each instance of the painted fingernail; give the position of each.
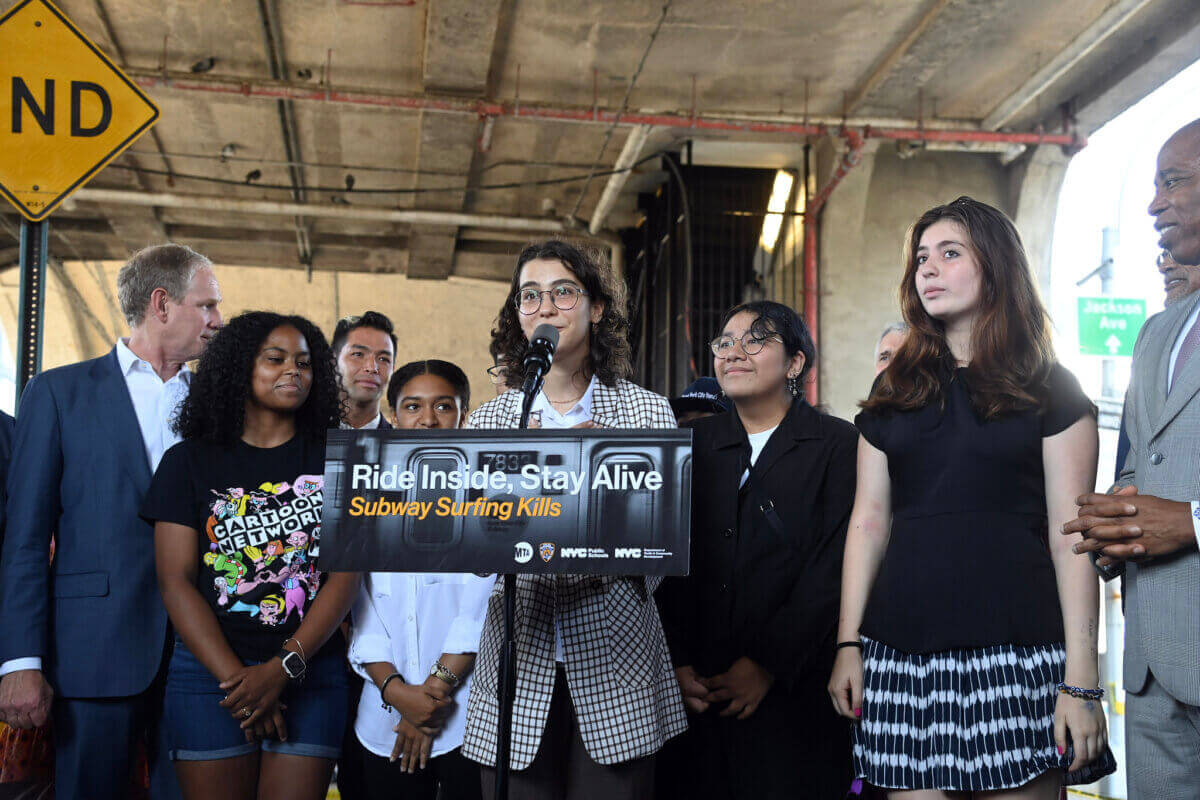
(858, 712)
(1060, 751)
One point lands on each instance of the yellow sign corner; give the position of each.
(66, 110)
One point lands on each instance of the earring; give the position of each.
(793, 385)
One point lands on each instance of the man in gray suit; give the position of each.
(1150, 526)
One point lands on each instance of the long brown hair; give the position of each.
(1011, 353)
(608, 351)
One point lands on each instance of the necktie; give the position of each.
(1190, 343)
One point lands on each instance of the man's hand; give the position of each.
(692, 689)
(25, 698)
(744, 685)
(1131, 526)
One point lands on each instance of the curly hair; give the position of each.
(215, 408)
(609, 354)
(1011, 351)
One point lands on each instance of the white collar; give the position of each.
(370, 426)
(583, 407)
(128, 361)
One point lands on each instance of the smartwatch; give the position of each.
(293, 664)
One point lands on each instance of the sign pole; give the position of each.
(34, 241)
(1108, 251)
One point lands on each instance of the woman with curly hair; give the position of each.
(236, 508)
(596, 695)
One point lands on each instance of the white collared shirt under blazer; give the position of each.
(619, 674)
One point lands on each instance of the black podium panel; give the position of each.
(598, 501)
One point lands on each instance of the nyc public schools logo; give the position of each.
(523, 552)
(546, 551)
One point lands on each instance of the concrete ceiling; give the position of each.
(953, 63)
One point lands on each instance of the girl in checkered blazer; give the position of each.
(596, 693)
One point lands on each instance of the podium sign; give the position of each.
(593, 501)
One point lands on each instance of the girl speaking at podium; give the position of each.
(596, 696)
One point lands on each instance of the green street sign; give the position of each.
(1108, 326)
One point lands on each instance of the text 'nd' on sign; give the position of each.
(1108, 326)
(66, 110)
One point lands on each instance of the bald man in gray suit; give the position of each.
(1150, 527)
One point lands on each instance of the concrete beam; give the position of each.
(1092, 37)
(888, 63)
(459, 38)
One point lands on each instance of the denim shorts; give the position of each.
(198, 729)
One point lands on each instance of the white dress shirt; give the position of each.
(155, 402)
(1187, 327)
(410, 619)
(370, 426)
(550, 417)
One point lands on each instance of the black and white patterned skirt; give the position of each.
(978, 719)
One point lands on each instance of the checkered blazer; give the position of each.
(619, 673)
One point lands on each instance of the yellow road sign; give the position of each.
(66, 110)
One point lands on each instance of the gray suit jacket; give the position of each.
(1162, 596)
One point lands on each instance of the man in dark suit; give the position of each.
(84, 639)
(365, 349)
(7, 423)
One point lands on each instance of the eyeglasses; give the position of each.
(722, 346)
(565, 296)
(497, 374)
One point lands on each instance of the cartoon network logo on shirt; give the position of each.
(262, 515)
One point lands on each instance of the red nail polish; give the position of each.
(1060, 751)
(858, 712)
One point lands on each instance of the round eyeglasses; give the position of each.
(722, 346)
(565, 296)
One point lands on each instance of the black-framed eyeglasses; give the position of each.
(565, 296)
(497, 374)
(722, 346)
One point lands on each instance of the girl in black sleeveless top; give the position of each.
(960, 616)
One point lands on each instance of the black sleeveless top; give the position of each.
(968, 563)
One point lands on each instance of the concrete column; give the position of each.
(1036, 180)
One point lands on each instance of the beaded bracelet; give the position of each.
(383, 689)
(1082, 694)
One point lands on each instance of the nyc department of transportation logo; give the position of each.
(546, 551)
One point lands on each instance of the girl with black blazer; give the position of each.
(751, 629)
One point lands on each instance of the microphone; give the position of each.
(538, 359)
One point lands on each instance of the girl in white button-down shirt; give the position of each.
(407, 623)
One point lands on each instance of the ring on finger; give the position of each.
(246, 713)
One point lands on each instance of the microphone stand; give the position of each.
(508, 655)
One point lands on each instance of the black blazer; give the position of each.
(765, 583)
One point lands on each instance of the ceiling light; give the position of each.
(773, 221)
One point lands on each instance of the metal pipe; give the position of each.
(273, 208)
(621, 171)
(812, 210)
(1105, 26)
(931, 130)
(411, 216)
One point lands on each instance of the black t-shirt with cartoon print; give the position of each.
(258, 512)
